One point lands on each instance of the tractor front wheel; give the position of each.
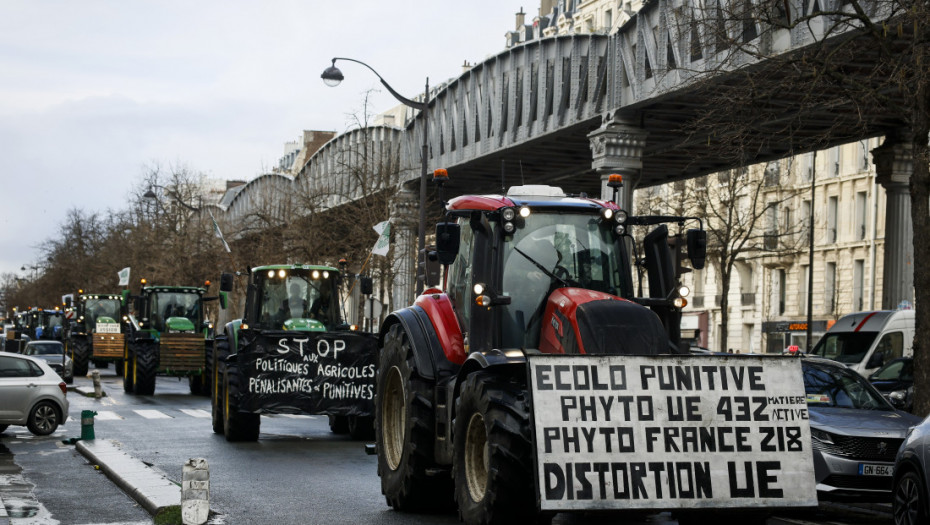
(79, 356)
(238, 426)
(216, 392)
(404, 425)
(144, 367)
(129, 371)
(493, 467)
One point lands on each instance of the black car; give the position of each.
(895, 381)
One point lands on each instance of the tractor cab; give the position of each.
(294, 297)
(171, 309)
(539, 269)
(96, 312)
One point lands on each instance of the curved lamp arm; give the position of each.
(403, 100)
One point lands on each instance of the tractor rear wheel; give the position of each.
(238, 426)
(129, 370)
(144, 367)
(118, 367)
(404, 426)
(493, 466)
(79, 356)
(206, 377)
(195, 384)
(216, 392)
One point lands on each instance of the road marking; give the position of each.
(196, 412)
(107, 415)
(152, 414)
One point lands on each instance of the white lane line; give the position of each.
(107, 415)
(152, 414)
(196, 412)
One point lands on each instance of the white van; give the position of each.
(867, 340)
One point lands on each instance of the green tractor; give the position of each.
(292, 353)
(168, 335)
(98, 332)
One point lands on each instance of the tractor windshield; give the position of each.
(290, 295)
(554, 249)
(94, 309)
(166, 305)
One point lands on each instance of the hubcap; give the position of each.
(476, 458)
(393, 418)
(45, 418)
(907, 503)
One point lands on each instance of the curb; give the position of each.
(150, 488)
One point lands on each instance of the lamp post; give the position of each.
(151, 195)
(332, 76)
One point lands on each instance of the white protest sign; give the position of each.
(107, 328)
(639, 432)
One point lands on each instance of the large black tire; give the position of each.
(118, 367)
(128, 368)
(493, 466)
(43, 419)
(361, 427)
(910, 505)
(404, 425)
(3, 427)
(80, 354)
(144, 367)
(195, 383)
(238, 426)
(218, 359)
(339, 424)
(206, 377)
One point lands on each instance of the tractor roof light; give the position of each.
(282, 273)
(615, 180)
(270, 274)
(315, 274)
(524, 211)
(440, 176)
(325, 274)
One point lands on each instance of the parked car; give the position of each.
(856, 432)
(865, 341)
(895, 381)
(31, 394)
(911, 503)
(53, 352)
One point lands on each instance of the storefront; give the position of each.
(694, 329)
(779, 335)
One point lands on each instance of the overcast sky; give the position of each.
(92, 92)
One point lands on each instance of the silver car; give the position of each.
(31, 394)
(856, 433)
(911, 504)
(53, 352)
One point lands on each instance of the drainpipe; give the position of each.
(874, 237)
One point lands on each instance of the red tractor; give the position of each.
(532, 272)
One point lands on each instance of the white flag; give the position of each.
(384, 238)
(216, 230)
(124, 277)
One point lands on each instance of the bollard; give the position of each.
(87, 424)
(95, 375)
(195, 492)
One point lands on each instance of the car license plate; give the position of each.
(873, 469)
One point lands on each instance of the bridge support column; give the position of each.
(617, 147)
(404, 221)
(893, 167)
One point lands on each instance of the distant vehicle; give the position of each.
(895, 381)
(856, 433)
(31, 394)
(911, 503)
(53, 352)
(867, 340)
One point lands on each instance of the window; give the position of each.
(829, 299)
(862, 152)
(834, 168)
(16, 367)
(460, 276)
(805, 217)
(832, 212)
(858, 284)
(782, 291)
(861, 213)
(891, 346)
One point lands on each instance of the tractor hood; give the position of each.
(581, 321)
(179, 324)
(304, 325)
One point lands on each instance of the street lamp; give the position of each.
(332, 76)
(151, 195)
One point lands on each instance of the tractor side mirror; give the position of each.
(697, 248)
(366, 285)
(447, 242)
(226, 282)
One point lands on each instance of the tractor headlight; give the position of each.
(325, 274)
(509, 227)
(620, 229)
(315, 274)
(680, 302)
(270, 274)
(524, 211)
(508, 214)
(607, 214)
(281, 273)
(621, 216)
(684, 291)
(478, 289)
